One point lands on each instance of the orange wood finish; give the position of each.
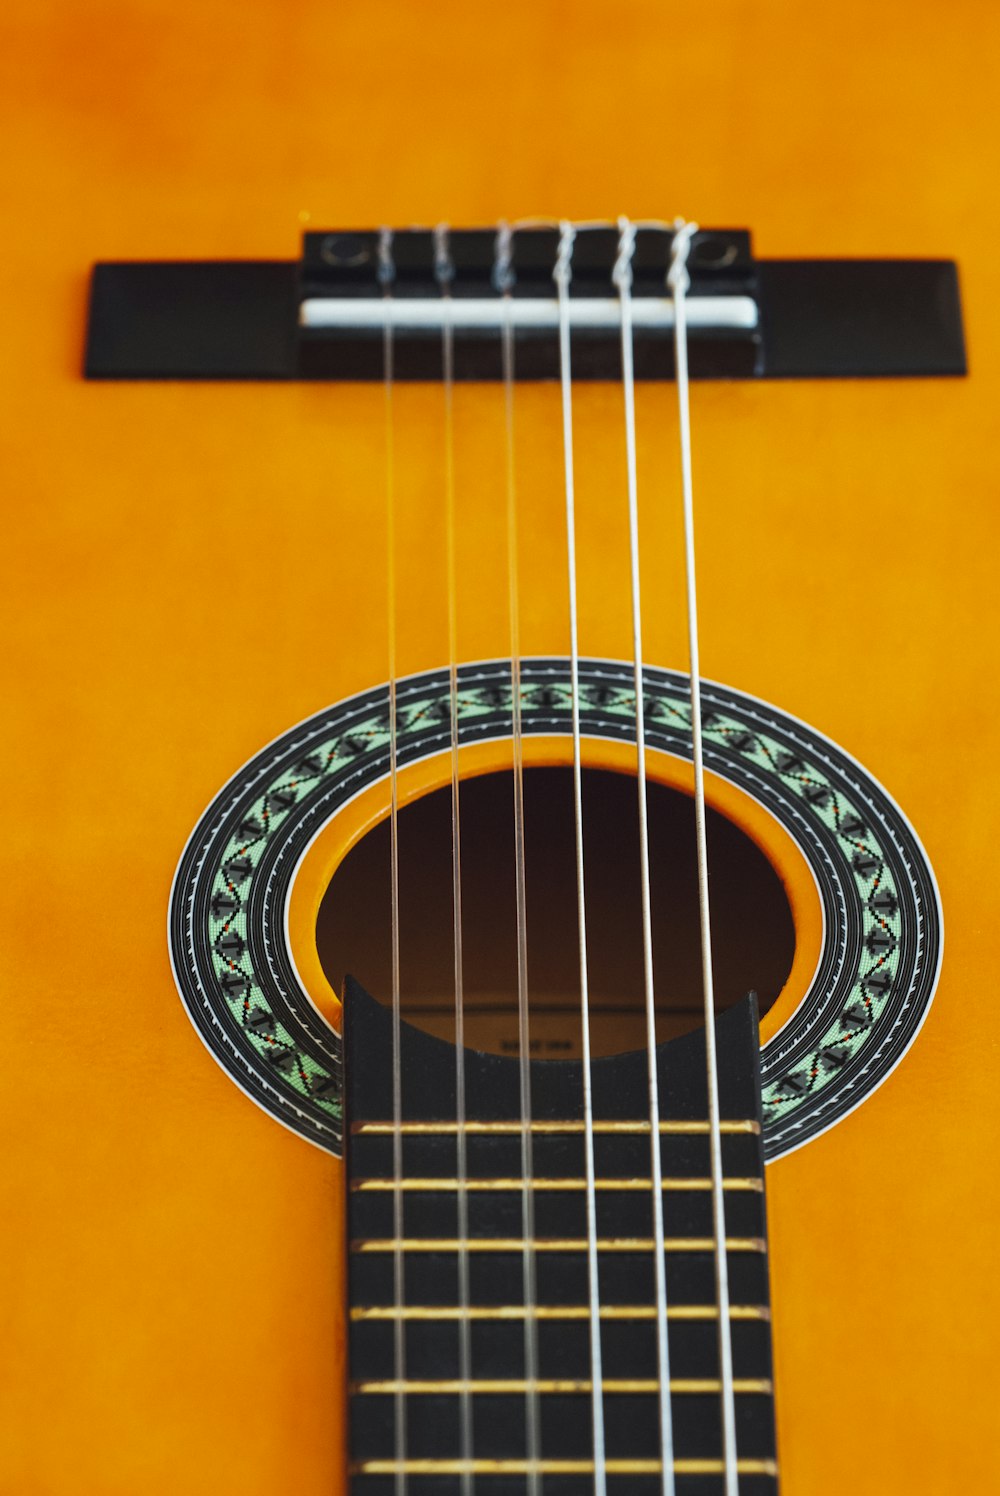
(190, 570)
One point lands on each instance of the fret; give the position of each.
(625, 1277)
(561, 1386)
(494, 1210)
(501, 1129)
(554, 1244)
(514, 1185)
(446, 1312)
(555, 1467)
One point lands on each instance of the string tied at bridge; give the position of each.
(385, 267)
(504, 274)
(621, 274)
(444, 265)
(678, 277)
(562, 272)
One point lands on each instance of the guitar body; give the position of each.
(192, 569)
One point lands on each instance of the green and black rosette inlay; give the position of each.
(882, 943)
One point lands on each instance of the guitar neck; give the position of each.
(470, 1305)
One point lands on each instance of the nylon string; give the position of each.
(386, 272)
(622, 276)
(503, 276)
(444, 272)
(562, 276)
(678, 280)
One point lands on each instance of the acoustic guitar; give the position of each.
(447, 666)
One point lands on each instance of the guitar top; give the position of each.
(286, 582)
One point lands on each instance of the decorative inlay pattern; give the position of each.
(881, 951)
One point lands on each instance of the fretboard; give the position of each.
(406, 1358)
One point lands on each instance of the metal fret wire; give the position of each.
(386, 275)
(689, 1128)
(622, 276)
(503, 274)
(562, 276)
(444, 271)
(678, 281)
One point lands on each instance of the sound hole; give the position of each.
(753, 933)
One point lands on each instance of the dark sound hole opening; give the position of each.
(752, 928)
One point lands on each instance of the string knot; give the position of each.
(677, 276)
(503, 260)
(444, 265)
(622, 273)
(385, 272)
(562, 273)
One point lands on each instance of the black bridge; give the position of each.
(323, 316)
(428, 1311)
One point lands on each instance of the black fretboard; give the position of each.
(496, 1389)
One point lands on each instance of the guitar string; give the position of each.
(622, 277)
(562, 275)
(678, 281)
(444, 274)
(386, 274)
(504, 279)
